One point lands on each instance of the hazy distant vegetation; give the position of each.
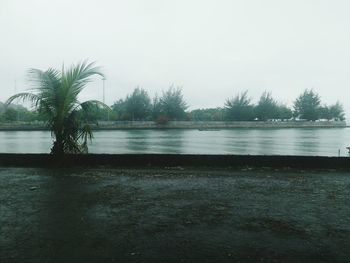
(171, 105)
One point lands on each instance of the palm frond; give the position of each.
(47, 84)
(25, 96)
(86, 133)
(44, 81)
(89, 105)
(73, 81)
(79, 75)
(92, 103)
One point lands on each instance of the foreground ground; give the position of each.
(173, 215)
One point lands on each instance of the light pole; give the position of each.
(103, 80)
(104, 96)
(17, 105)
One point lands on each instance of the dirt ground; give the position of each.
(173, 215)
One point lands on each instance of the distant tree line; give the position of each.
(307, 106)
(138, 106)
(171, 105)
(17, 113)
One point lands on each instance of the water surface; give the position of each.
(299, 141)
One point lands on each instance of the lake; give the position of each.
(298, 141)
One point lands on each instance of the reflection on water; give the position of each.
(267, 141)
(315, 141)
(169, 141)
(239, 140)
(308, 141)
(138, 141)
(25, 141)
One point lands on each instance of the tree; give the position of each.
(240, 108)
(2, 107)
(307, 105)
(266, 108)
(97, 113)
(156, 108)
(55, 95)
(283, 112)
(172, 104)
(119, 108)
(324, 112)
(336, 112)
(138, 104)
(15, 112)
(10, 114)
(211, 114)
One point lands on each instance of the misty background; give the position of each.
(212, 49)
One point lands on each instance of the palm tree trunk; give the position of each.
(58, 146)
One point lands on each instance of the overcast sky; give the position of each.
(211, 48)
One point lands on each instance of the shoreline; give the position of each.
(199, 125)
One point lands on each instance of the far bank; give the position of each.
(120, 125)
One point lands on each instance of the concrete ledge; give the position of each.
(171, 160)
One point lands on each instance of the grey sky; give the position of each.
(213, 49)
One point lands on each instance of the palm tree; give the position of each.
(55, 95)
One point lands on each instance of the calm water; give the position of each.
(235, 141)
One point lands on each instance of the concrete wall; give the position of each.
(171, 160)
(219, 124)
(118, 125)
